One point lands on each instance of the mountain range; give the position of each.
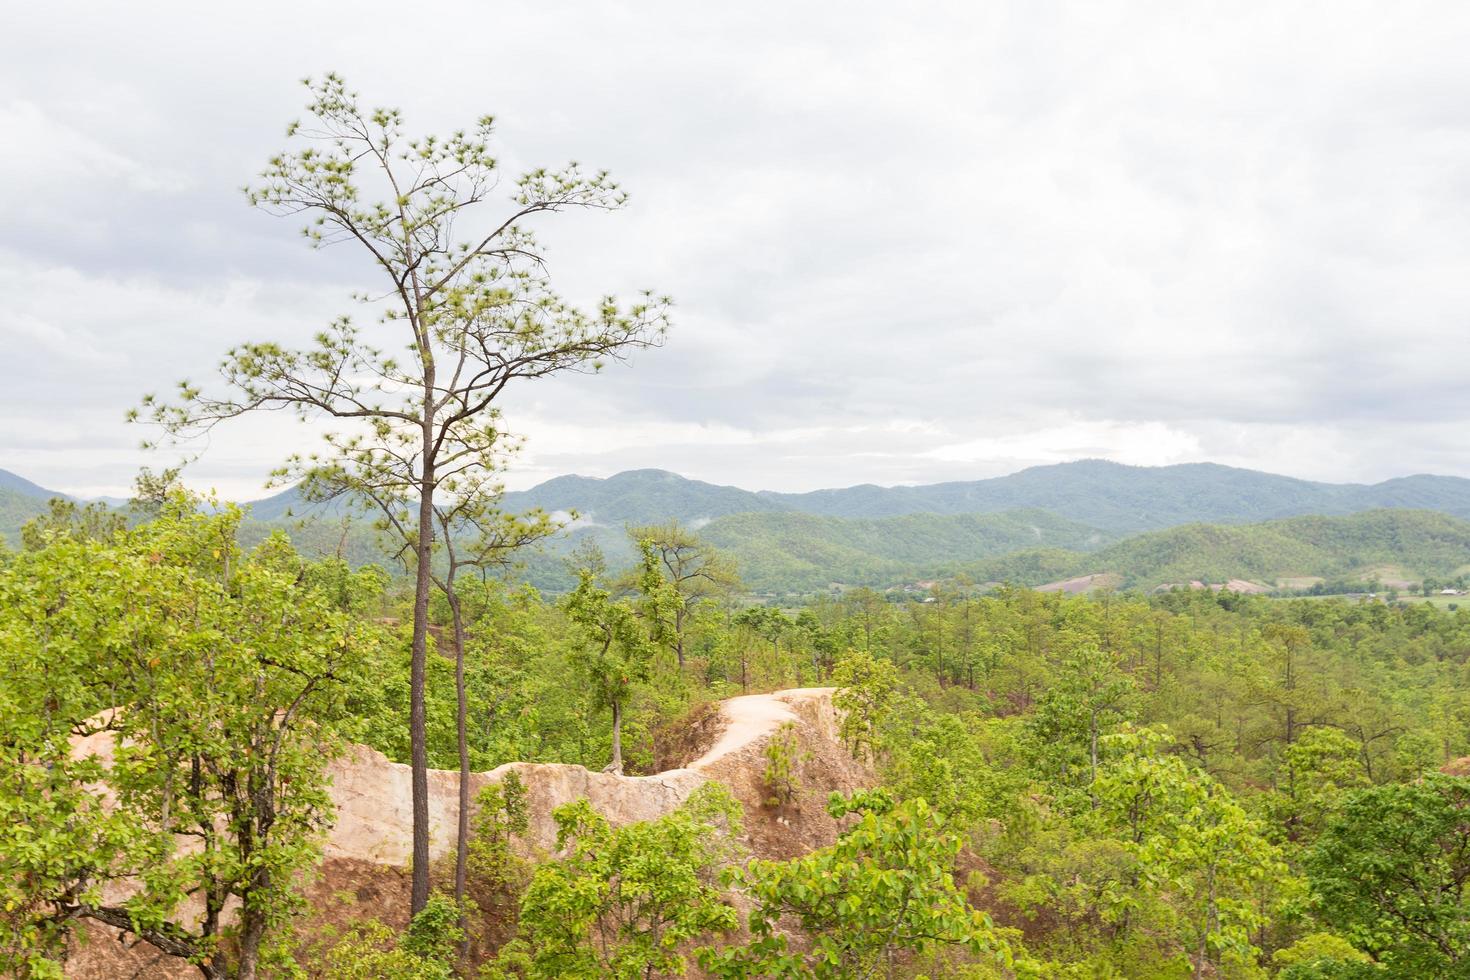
(1107, 496)
(1149, 525)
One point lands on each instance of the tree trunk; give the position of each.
(617, 759)
(424, 553)
(461, 730)
(252, 931)
(1092, 748)
(461, 727)
(679, 635)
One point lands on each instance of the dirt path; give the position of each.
(754, 716)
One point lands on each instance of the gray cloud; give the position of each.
(931, 242)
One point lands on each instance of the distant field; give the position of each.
(1392, 576)
(1440, 601)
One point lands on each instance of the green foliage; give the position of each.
(1320, 767)
(693, 573)
(1088, 697)
(626, 901)
(619, 639)
(788, 552)
(1391, 873)
(966, 766)
(65, 518)
(1320, 954)
(369, 950)
(1190, 843)
(867, 690)
(500, 816)
(434, 933)
(885, 888)
(783, 757)
(209, 685)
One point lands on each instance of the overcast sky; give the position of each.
(908, 242)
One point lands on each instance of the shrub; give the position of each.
(500, 816)
(783, 756)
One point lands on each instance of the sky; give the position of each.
(907, 242)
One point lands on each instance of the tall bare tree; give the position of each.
(468, 301)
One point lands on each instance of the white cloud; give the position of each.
(907, 243)
(1137, 444)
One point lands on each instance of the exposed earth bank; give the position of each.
(365, 870)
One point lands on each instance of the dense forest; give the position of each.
(1115, 785)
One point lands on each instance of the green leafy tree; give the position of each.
(620, 639)
(1323, 765)
(1089, 696)
(884, 890)
(784, 756)
(95, 521)
(206, 686)
(1191, 843)
(1321, 955)
(867, 693)
(693, 569)
(1391, 872)
(466, 296)
(766, 623)
(501, 815)
(626, 901)
(369, 950)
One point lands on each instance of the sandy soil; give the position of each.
(366, 855)
(753, 717)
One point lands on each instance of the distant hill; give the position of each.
(639, 497)
(1360, 546)
(289, 504)
(12, 483)
(20, 500)
(802, 552)
(781, 552)
(1197, 522)
(1108, 496)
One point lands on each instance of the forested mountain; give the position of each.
(781, 548)
(1108, 496)
(1382, 544)
(1416, 542)
(20, 500)
(13, 483)
(640, 497)
(799, 552)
